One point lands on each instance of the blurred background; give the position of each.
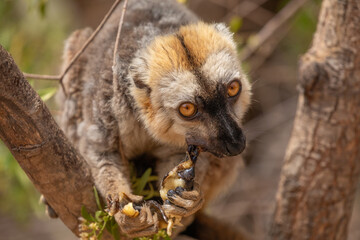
(271, 35)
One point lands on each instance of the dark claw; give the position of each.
(172, 198)
(194, 152)
(189, 185)
(136, 207)
(48, 209)
(51, 212)
(113, 205)
(187, 174)
(110, 200)
(158, 208)
(179, 190)
(171, 193)
(191, 148)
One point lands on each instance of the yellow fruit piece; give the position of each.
(129, 210)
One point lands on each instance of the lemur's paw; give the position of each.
(146, 223)
(183, 203)
(48, 209)
(116, 202)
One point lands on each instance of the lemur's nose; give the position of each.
(235, 148)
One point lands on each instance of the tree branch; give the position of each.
(41, 148)
(270, 28)
(77, 55)
(321, 166)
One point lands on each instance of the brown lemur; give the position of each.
(178, 83)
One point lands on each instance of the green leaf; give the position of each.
(99, 236)
(135, 184)
(86, 215)
(47, 93)
(153, 178)
(167, 237)
(151, 192)
(97, 199)
(107, 217)
(142, 181)
(98, 216)
(235, 24)
(102, 230)
(42, 4)
(108, 225)
(115, 231)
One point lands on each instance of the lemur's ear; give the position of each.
(225, 31)
(138, 71)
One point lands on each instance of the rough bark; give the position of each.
(321, 166)
(41, 148)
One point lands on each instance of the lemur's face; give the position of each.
(190, 89)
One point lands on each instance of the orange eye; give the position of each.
(234, 88)
(187, 109)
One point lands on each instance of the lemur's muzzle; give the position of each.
(231, 139)
(235, 148)
(224, 138)
(220, 146)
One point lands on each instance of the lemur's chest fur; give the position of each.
(142, 150)
(134, 137)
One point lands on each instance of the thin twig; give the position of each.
(243, 9)
(121, 22)
(265, 50)
(271, 27)
(261, 16)
(220, 4)
(116, 49)
(77, 55)
(91, 37)
(277, 115)
(42, 77)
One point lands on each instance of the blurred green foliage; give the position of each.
(235, 24)
(17, 194)
(33, 31)
(304, 26)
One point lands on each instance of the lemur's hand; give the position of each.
(179, 191)
(145, 223)
(183, 203)
(116, 202)
(134, 216)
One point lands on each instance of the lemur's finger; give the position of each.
(113, 204)
(173, 210)
(190, 195)
(132, 198)
(179, 201)
(182, 207)
(158, 208)
(150, 230)
(143, 222)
